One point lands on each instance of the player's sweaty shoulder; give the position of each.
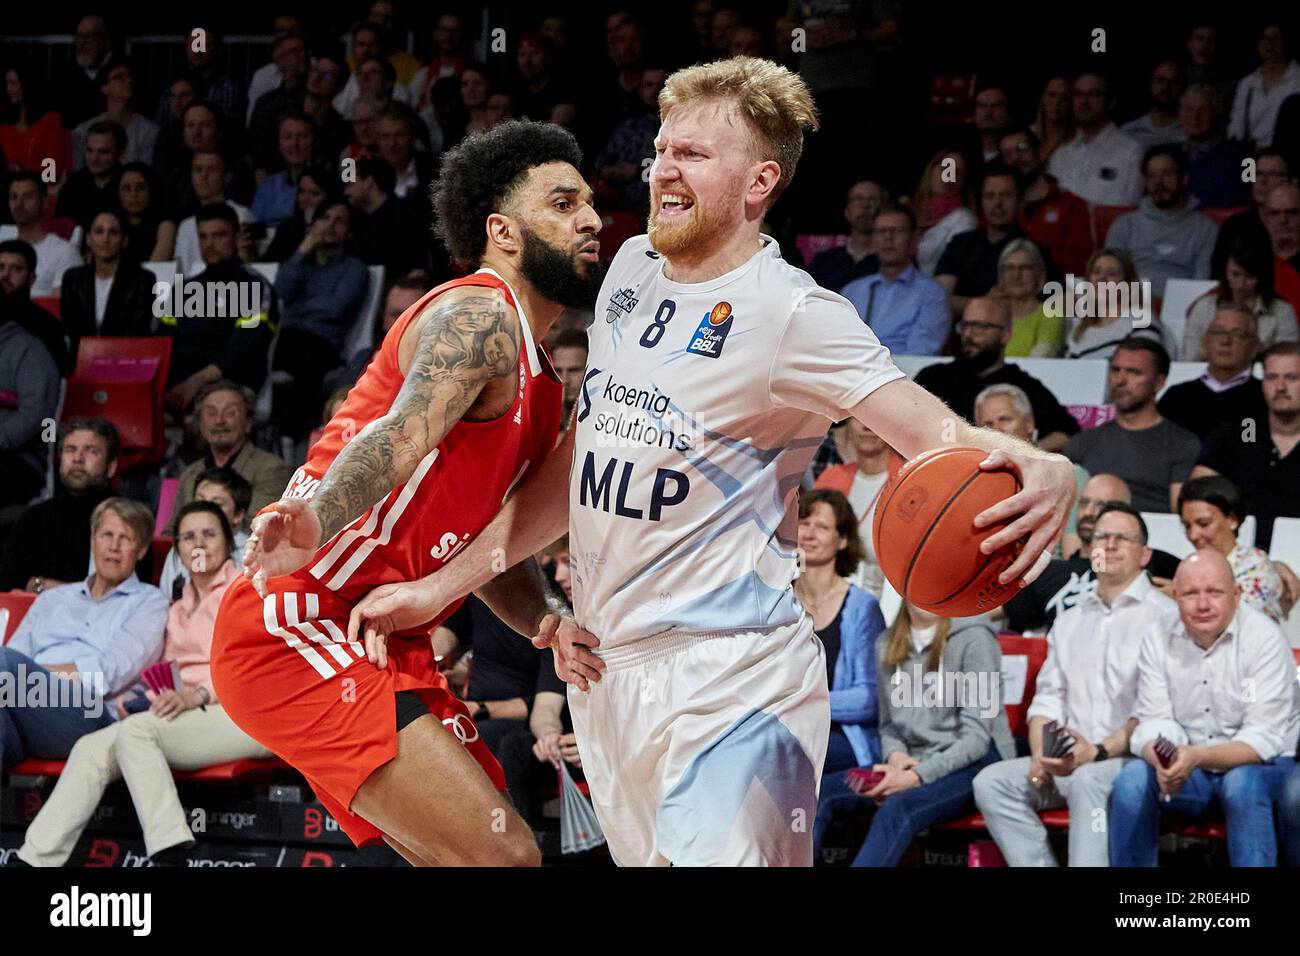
(466, 326)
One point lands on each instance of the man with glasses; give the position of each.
(906, 309)
(984, 331)
(1226, 392)
(1088, 684)
(1055, 219)
(1101, 164)
(1271, 170)
(835, 268)
(1281, 216)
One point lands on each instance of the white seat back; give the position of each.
(1165, 533)
(267, 270)
(1179, 295)
(360, 336)
(1285, 547)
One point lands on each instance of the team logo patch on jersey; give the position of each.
(711, 333)
(621, 303)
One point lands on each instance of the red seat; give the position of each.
(1034, 649)
(13, 608)
(1103, 217)
(617, 229)
(160, 548)
(812, 244)
(124, 379)
(234, 771)
(1220, 214)
(50, 304)
(952, 99)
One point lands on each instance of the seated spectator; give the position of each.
(321, 288)
(290, 55)
(1281, 216)
(1262, 461)
(1213, 163)
(331, 133)
(1226, 392)
(386, 230)
(317, 186)
(29, 397)
(1245, 285)
(210, 179)
(1168, 237)
(622, 160)
(984, 331)
(1022, 275)
(1089, 686)
(861, 481)
(1211, 510)
(219, 335)
(1233, 750)
(969, 265)
(1270, 170)
(1160, 124)
(931, 751)
(207, 66)
(267, 76)
(224, 488)
(1100, 165)
(569, 356)
(80, 81)
(1065, 581)
(455, 117)
(30, 132)
(943, 207)
(225, 416)
(1056, 220)
(370, 43)
(906, 309)
(1260, 94)
(500, 107)
(402, 294)
(150, 237)
(989, 121)
(365, 130)
(154, 733)
(447, 61)
(274, 200)
(176, 99)
(1106, 319)
(54, 256)
(835, 268)
(1203, 62)
(398, 135)
(140, 134)
(17, 278)
(93, 186)
(49, 545)
(1054, 120)
(53, 641)
(1153, 455)
(110, 296)
(539, 93)
(201, 132)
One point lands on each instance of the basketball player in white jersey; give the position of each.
(700, 704)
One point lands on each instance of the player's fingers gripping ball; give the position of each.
(925, 536)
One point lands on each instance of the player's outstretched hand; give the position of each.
(575, 661)
(389, 608)
(283, 538)
(1040, 510)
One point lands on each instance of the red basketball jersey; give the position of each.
(456, 489)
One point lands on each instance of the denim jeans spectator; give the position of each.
(1244, 796)
(1289, 813)
(40, 731)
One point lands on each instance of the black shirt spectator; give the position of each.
(290, 55)
(81, 82)
(1061, 585)
(318, 187)
(94, 187)
(109, 297)
(506, 665)
(1227, 392)
(17, 272)
(1247, 226)
(201, 132)
(385, 230)
(834, 268)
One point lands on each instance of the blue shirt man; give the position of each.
(908, 313)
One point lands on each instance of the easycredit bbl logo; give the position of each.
(711, 334)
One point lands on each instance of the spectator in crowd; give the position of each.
(1053, 119)
(203, 57)
(290, 55)
(267, 77)
(54, 255)
(56, 641)
(81, 83)
(1110, 315)
(942, 206)
(1226, 392)
(402, 294)
(569, 356)
(229, 492)
(1233, 749)
(185, 728)
(17, 273)
(1281, 216)
(906, 309)
(29, 382)
(49, 545)
(220, 335)
(376, 79)
(538, 93)
(1152, 454)
(94, 185)
(448, 60)
(397, 128)
(1056, 220)
(275, 198)
(370, 54)
(201, 133)
(178, 96)
(380, 13)
(500, 107)
(225, 416)
(111, 296)
(1202, 65)
(616, 95)
(1022, 274)
(317, 186)
(210, 180)
(969, 265)
(1289, 813)
(1007, 409)
(990, 120)
(385, 230)
(31, 134)
(1270, 171)
(1245, 285)
(835, 268)
(630, 147)
(321, 288)
(1088, 685)
(932, 751)
(150, 236)
(1100, 164)
(1212, 510)
(1213, 163)
(1160, 125)
(1167, 236)
(1260, 94)
(984, 331)
(475, 88)
(365, 129)
(1065, 581)
(747, 40)
(861, 481)
(139, 133)
(331, 132)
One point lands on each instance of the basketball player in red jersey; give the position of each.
(457, 407)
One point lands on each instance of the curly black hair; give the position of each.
(479, 174)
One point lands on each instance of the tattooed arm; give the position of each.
(467, 338)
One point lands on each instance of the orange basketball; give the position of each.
(925, 536)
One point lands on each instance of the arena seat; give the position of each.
(362, 334)
(50, 304)
(13, 608)
(1103, 217)
(813, 244)
(1165, 533)
(1179, 296)
(124, 379)
(166, 504)
(160, 548)
(1032, 651)
(952, 99)
(234, 771)
(1222, 214)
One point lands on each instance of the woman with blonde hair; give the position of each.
(1102, 326)
(942, 205)
(1247, 283)
(1053, 123)
(1022, 273)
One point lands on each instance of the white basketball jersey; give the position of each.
(700, 409)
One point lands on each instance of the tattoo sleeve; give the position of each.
(463, 345)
